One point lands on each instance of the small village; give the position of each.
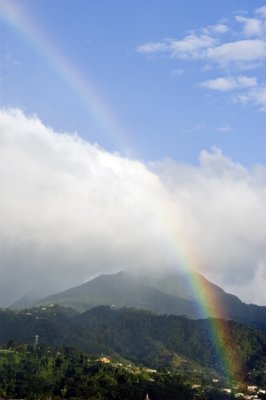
(196, 379)
(238, 391)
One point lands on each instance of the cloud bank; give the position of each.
(70, 210)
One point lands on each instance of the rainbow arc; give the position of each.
(11, 13)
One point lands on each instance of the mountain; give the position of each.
(26, 301)
(124, 290)
(162, 293)
(156, 341)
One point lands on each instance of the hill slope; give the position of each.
(124, 290)
(141, 337)
(162, 294)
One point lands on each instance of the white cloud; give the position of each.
(238, 53)
(191, 46)
(69, 210)
(216, 29)
(153, 48)
(252, 26)
(259, 97)
(241, 54)
(225, 202)
(242, 48)
(256, 96)
(220, 28)
(261, 11)
(225, 84)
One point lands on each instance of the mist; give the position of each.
(70, 210)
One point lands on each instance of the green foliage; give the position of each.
(42, 373)
(165, 341)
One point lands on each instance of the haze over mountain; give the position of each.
(168, 293)
(70, 210)
(126, 148)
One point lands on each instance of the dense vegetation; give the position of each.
(154, 341)
(38, 372)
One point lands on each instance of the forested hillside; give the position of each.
(154, 341)
(39, 372)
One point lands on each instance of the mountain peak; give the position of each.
(166, 292)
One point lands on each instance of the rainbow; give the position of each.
(219, 332)
(189, 261)
(11, 13)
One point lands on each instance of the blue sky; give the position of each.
(117, 115)
(165, 102)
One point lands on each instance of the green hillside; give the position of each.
(161, 293)
(155, 341)
(40, 372)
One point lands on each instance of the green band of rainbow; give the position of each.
(98, 110)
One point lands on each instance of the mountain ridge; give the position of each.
(168, 293)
